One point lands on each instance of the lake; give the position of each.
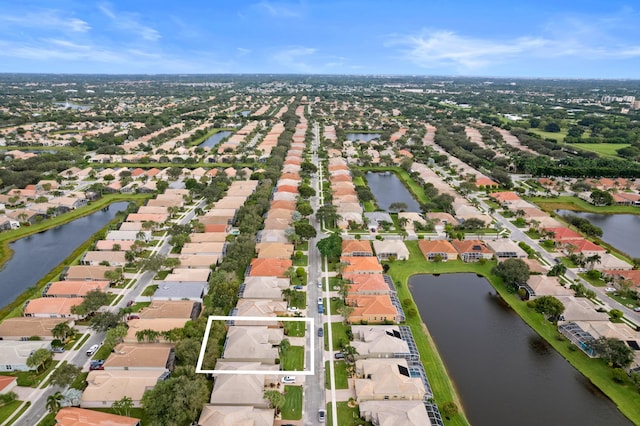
(620, 230)
(504, 372)
(388, 189)
(366, 137)
(215, 139)
(36, 255)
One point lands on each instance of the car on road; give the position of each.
(636, 309)
(288, 379)
(319, 300)
(322, 415)
(92, 350)
(320, 332)
(319, 284)
(321, 309)
(338, 355)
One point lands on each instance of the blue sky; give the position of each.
(515, 38)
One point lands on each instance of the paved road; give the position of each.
(38, 397)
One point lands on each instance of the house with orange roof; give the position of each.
(7, 384)
(23, 328)
(353, 248)
(361, 265)
(287, 188)
(75, 416)
(104, 257)
(586, 247)
(52, 307)
(632, 276)
(269, 267)
(485, 182)
(283, 204)
(363, 284)
(213, 237)
(433, 248)
(505, 197)
(472, 250)
(73, 288)
(372, 309)
(109, 245)
(562, 234)
(223, 228)
(141, 356)
(274, 250)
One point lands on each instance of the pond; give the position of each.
(388, 189)
(620, 230)
(36, 255)
(215, 139)
(366, 137)
(504, 372)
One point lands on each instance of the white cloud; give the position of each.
(129, 22)
(292, 59)
(49, 19)
(243, 51)
(280, 10)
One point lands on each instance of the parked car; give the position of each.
(92, 350)
(297, 287)
(320, 332)
(322, 416)
(319, 300)
(338, 355)
(319, 284)
(288, 379)
(609, 289)
(57, 349)
(636, 309)
(96, 364)
(292, 309)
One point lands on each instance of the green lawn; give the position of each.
(346, 416)
(149, 290)
(292, 408)
(294, 328)
(293, 360)
(301, 261)
(566, 202)
(8, 409)
(340, 369)
(558, 136)
(339, 333)
(604, 149)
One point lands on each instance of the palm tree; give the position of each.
(54, 402)
(592, 260)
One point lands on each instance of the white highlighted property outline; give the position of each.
(308, 336)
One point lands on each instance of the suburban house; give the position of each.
(7, 384)
(74, 416)
(188, 274)
(472, 250)
(157, 325)
(366, 284)
(405, 413)
(204, 249)
(506, 249)
(103, 257)
(618, 276)
(431, 249)
(14, 354)
(193, 260)
(372, 309)
(252, 344)
(264, 287)
(268, 267)
(230, 415)
(612, 263)
(386, 379)
(274, 250)
(104, 387)
(73, 288)
(83, 272)
(361, 265)
(181, 290)
(586, 247)
(260, 308)
(391, 248)
(52, 307)
(187, 309)
(375, 220)
(379, 341)
(561, 234)
(141, 356)
(109, 245)
(353, 248)
(239, 390)
(543, 285)
(23, 328)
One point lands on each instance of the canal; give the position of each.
(34, 256)
(387, 189)
(622, 231)
(504, 372)
(215, 139)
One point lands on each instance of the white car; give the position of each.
(609, 289)
(92, 350)
(288, 379)
(292, 309)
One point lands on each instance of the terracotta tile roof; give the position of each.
(436, 246)
(269, 267)
(75, 288)
(74, 416)
(564, 233)
(470, 246)
(585, 245)
(360, 246)
(366, 264)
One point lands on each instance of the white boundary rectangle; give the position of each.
(310, 336)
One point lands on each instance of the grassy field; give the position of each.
(604, 149)
(292, 408)
(7, 410)
(566, 202)
(558, 136)
(624, 396)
